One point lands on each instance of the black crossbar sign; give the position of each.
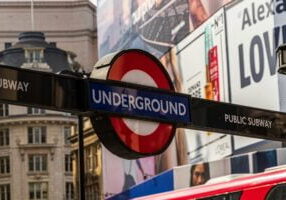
(71, 94)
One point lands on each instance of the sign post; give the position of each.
(135, 111)
(136, 138)
(81, 158)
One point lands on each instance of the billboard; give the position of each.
(206, 173)
(252, 55)
(120, 174)
(202, 60)
(252, 58)
(201, 173)
(152, 25)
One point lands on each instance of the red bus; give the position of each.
(270, 185)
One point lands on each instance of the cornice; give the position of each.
(89, 138)
(47, 4)
(38, 119)
(64, 33)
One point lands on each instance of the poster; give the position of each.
(202, 60)
(218, 171)
(254, 80)
(227, 168)
(152, 25)
(120, 174)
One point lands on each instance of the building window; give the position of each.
(4, 110)
(67, 134)
(5, 192)
(38, 191)
(34, 55)
(69, 191)
(37, 135)
(53, 44)
(38, 163)
(36, 111)
(92, 191)
(4, 165)
(6, 46)
(91, 158)
(4, 137)
(68, 163)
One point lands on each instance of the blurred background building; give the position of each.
(36, 160)
(69, 25)
(93, 162)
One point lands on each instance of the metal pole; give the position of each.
(81, 158)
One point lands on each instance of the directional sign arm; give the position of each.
(201, 114)
(237, 120)
(79, 95)
(42, 89)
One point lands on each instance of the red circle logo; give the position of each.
(137, 138)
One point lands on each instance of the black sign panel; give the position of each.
(41, 89)
(239, 120)
(71, 94)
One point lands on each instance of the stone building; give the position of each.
(67, 24)
(35, 156)
(92, 162)
(35, 160)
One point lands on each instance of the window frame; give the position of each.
(224, 195)
(4, 137)
(67, 134)
(37, 163)
(38, 188)
(69, 191)
(4, 110)
(5, 165)
(37, 135)
(35, 111)
(68, 163)
(7, 45)
(5, 189)
(272, 189)
(34, 55)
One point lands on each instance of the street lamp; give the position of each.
(281, 56)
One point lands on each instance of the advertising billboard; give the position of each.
(254, 31)
(207, 173)
(252, 54)
(152, 25)
(120, 174)
(202, 60)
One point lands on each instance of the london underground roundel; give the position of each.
(132, 138)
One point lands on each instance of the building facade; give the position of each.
(35, 159)
(92, 163)
(70, 25)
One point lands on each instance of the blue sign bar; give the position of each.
(139, 103)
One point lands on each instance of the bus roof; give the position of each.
(253, 180)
